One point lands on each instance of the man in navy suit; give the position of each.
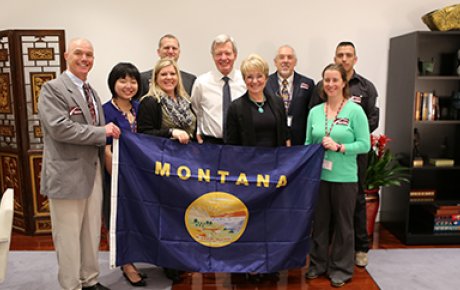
(295, 90)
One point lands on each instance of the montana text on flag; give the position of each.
(212, 208)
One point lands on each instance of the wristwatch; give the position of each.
(339, 147)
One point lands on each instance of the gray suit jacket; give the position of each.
(71, 146)
(187, 81)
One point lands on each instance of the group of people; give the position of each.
(246, 107)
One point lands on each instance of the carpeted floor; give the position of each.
(37, 270)
(418, 269)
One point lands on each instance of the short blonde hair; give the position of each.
(254, 62)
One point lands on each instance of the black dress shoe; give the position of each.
(254, 278)
(97, 286)
(172, 274)
(272, 277)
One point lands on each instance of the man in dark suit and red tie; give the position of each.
(295, 90)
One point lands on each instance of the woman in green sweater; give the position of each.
(342, 128)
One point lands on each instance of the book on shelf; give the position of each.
(418, 105)
(417, 162)
(446, 223)
(446, 228)
(455, 217)
(447, 210)
(422, 199)
(422, 193)
(426, 107)
(446, 220)
(441, 162)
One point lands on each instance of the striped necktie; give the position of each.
(89, 99)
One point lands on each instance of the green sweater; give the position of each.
(352, 131)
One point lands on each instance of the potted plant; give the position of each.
(382, 170)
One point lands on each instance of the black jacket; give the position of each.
(303, 88)
(240, 127)
(150, 118)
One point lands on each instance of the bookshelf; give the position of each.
(413, 220)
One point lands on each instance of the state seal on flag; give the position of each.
(216, 219)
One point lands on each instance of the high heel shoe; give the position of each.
(140, 283)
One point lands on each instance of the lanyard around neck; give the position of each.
(328, 132)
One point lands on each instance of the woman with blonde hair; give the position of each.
(256, 119)
(166, 112)
(166, 109)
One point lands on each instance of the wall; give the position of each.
(129, 30)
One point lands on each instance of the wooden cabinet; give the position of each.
(28, 58)
(412, 220)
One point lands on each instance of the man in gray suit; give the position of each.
(74, 133)
(168, 47)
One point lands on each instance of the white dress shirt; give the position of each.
(79, 83)
(207, 100)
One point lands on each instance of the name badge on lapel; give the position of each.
(342, 121)
(304, 86)
(356, 99)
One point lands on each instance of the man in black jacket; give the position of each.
(168, 47)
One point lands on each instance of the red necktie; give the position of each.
(89, 99)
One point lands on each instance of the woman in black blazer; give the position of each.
(256, 119)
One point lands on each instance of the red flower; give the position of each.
(383, 169)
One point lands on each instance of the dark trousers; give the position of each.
(333, 239)
(360, 220)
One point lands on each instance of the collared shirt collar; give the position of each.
(78, 82)
(355, 77)
(290, 80)
(218, 75)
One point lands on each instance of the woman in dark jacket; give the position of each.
(166, 112)
(166, 109)
(256, 119)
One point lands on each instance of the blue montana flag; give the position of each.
(212, 208)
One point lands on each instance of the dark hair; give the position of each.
(346, 43)
(120, 71)
(343, 74)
